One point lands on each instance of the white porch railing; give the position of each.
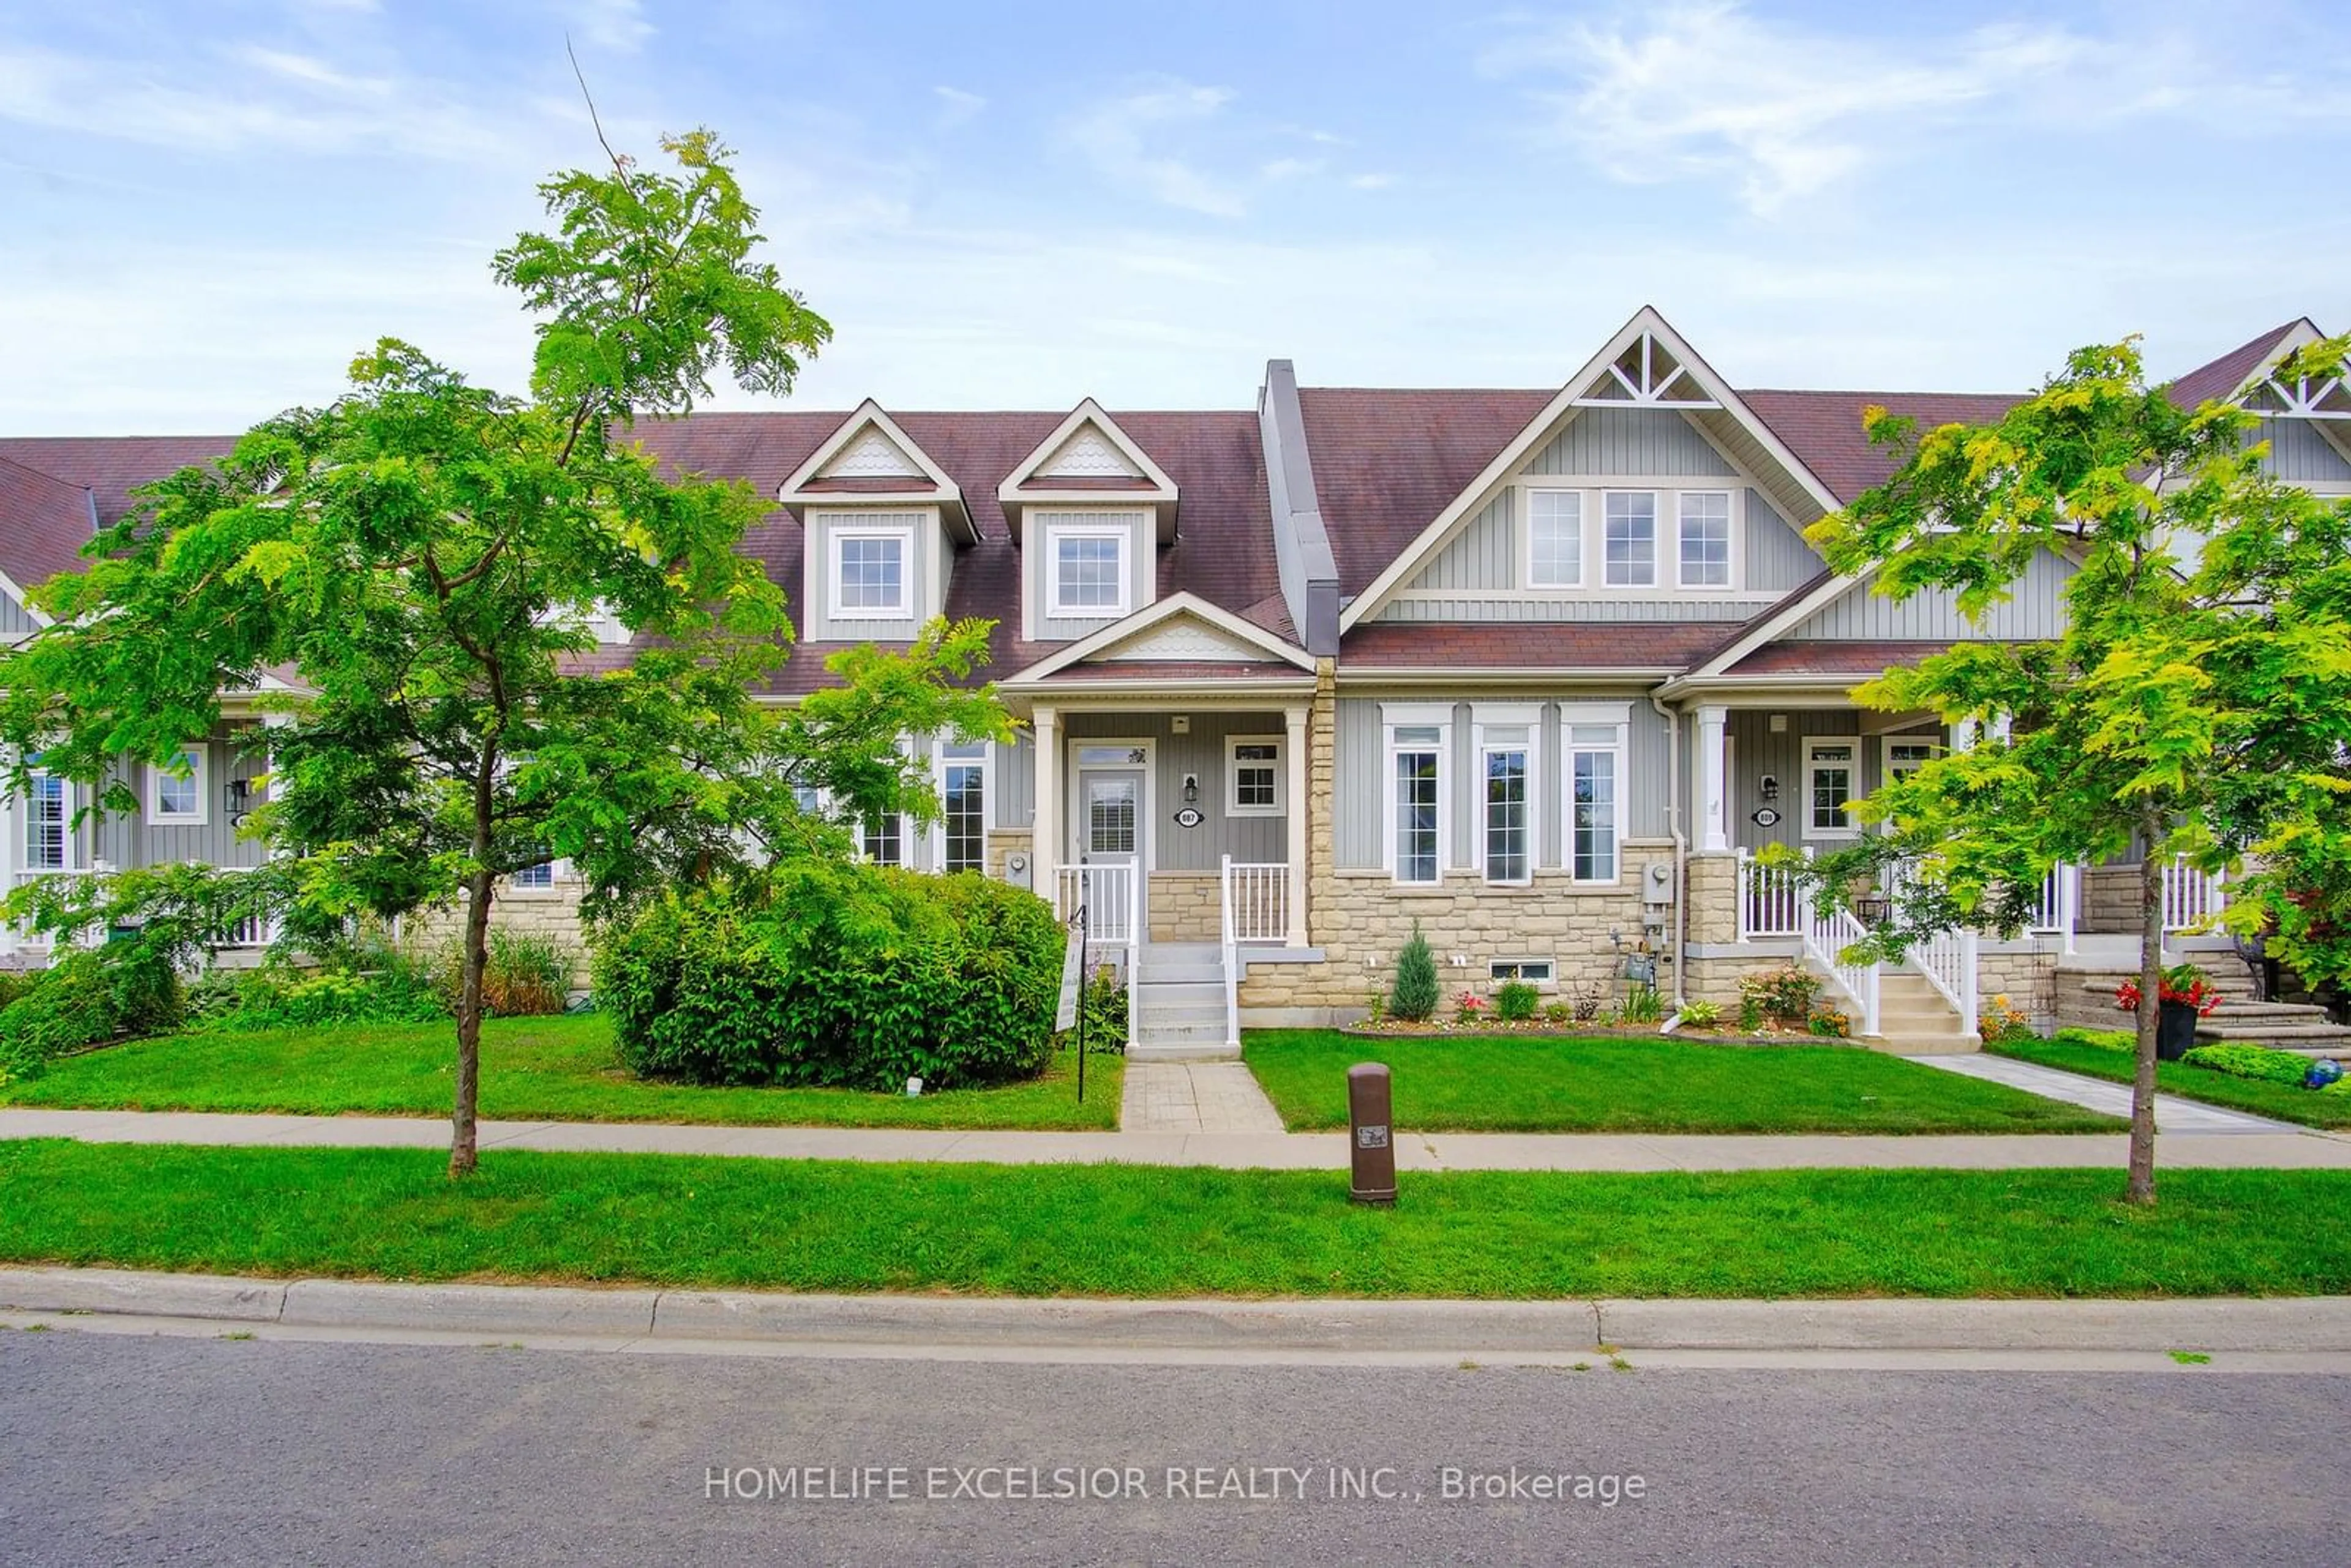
(1948, 958)
(2059, 912)
(1825, 939)
(1229, 954)
(1110, 896)
(1770, 901)
(2192, 899)
(1260, 900)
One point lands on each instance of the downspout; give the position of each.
(1681, 844)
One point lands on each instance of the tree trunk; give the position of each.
(2150, 1015)
(461, 1153)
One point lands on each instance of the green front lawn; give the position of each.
(533, 1070)
(1125, 1230)
(1654, 1085)
(2282, 1101)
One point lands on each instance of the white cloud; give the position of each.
(957, 106)
(1374, 181)
(1125, 138)
(616, 25)
(1290, 168)
(1705, 89)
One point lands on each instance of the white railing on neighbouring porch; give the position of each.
(1253, 906)
(1108, 895)
(1770, 899)
(2192, 899)
(2060, 909)
(1229, 955)
(1826, 936)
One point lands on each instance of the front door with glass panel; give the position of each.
(1107, 832)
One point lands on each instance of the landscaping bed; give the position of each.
(1651, 1083)
(1118, 1230)
(2076, 1051)
(561, 1068)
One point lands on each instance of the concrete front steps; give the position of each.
(1179, 1005)
(2086, 1000)
(1913, 1019)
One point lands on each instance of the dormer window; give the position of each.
(869, 572)
(1089, 572)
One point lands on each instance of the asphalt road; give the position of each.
(191, 1450)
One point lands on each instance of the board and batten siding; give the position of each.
(1036, 568)
(926, 565)
(2036, 608)
(2300, 454)
(1015, 782)
(1484, 564)
(1202, 754)
(1361, 779)
(1649, 442)
(128, 842)
(1757, 750)
(16, 620)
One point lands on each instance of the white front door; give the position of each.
(1107, 831)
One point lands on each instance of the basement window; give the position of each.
(1535, 971)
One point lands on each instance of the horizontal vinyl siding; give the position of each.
(1649, 442)
(1142, 565)
(2037, 609)
(1778, 558)
(2300, 453)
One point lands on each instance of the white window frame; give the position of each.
(838, 535)
(1582, 538)
(199, 775)
(1486, 718)
(1517, 968)
(1056, 608)
(940, 763)
(1934, 748)
(1656, 530)
(1731, 529)
(1616, 716)
(1854, 790)
(66, 835)
(904, 863)
(1233, 764)
(553, 870)
(1395, 717)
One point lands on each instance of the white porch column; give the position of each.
(1963, 735)
(1295, 829)
(1045, 833)
(1713, 781)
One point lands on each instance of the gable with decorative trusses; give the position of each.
(1089, 461)
(1645, 491)
(2307, 423)
(870, 462)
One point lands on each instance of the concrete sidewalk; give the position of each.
(1277, 1151)
(2172, 1113)
(623, 1318)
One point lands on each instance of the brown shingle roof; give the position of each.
(1524, 644)
(2224, 375)
(1824, 428)
(109, 467)
(1832, 658)
(44, 523)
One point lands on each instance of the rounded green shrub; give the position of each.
(2254, 1061)
(833, 973)
(88, 997)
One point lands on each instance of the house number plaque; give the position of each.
(1189, 816)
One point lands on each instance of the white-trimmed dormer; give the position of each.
(1089, 508)
(879, 523)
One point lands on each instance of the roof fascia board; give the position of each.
(1769, 629)
(1161, 496)
(1184, 602)
(1501, 674)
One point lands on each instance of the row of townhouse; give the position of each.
(1537, 670)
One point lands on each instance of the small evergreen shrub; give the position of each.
(1516, 1002)
(1415, 996)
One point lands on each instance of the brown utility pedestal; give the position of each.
(1371, 1143)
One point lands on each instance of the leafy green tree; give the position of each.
(2198, 703)
(422, 562)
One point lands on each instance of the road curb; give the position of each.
(1580, 1327)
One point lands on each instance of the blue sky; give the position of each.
(207, 208)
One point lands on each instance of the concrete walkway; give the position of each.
(1276, 1151)
(2172, 1113)
(1194, 1097)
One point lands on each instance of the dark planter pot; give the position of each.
(2175, 1032)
